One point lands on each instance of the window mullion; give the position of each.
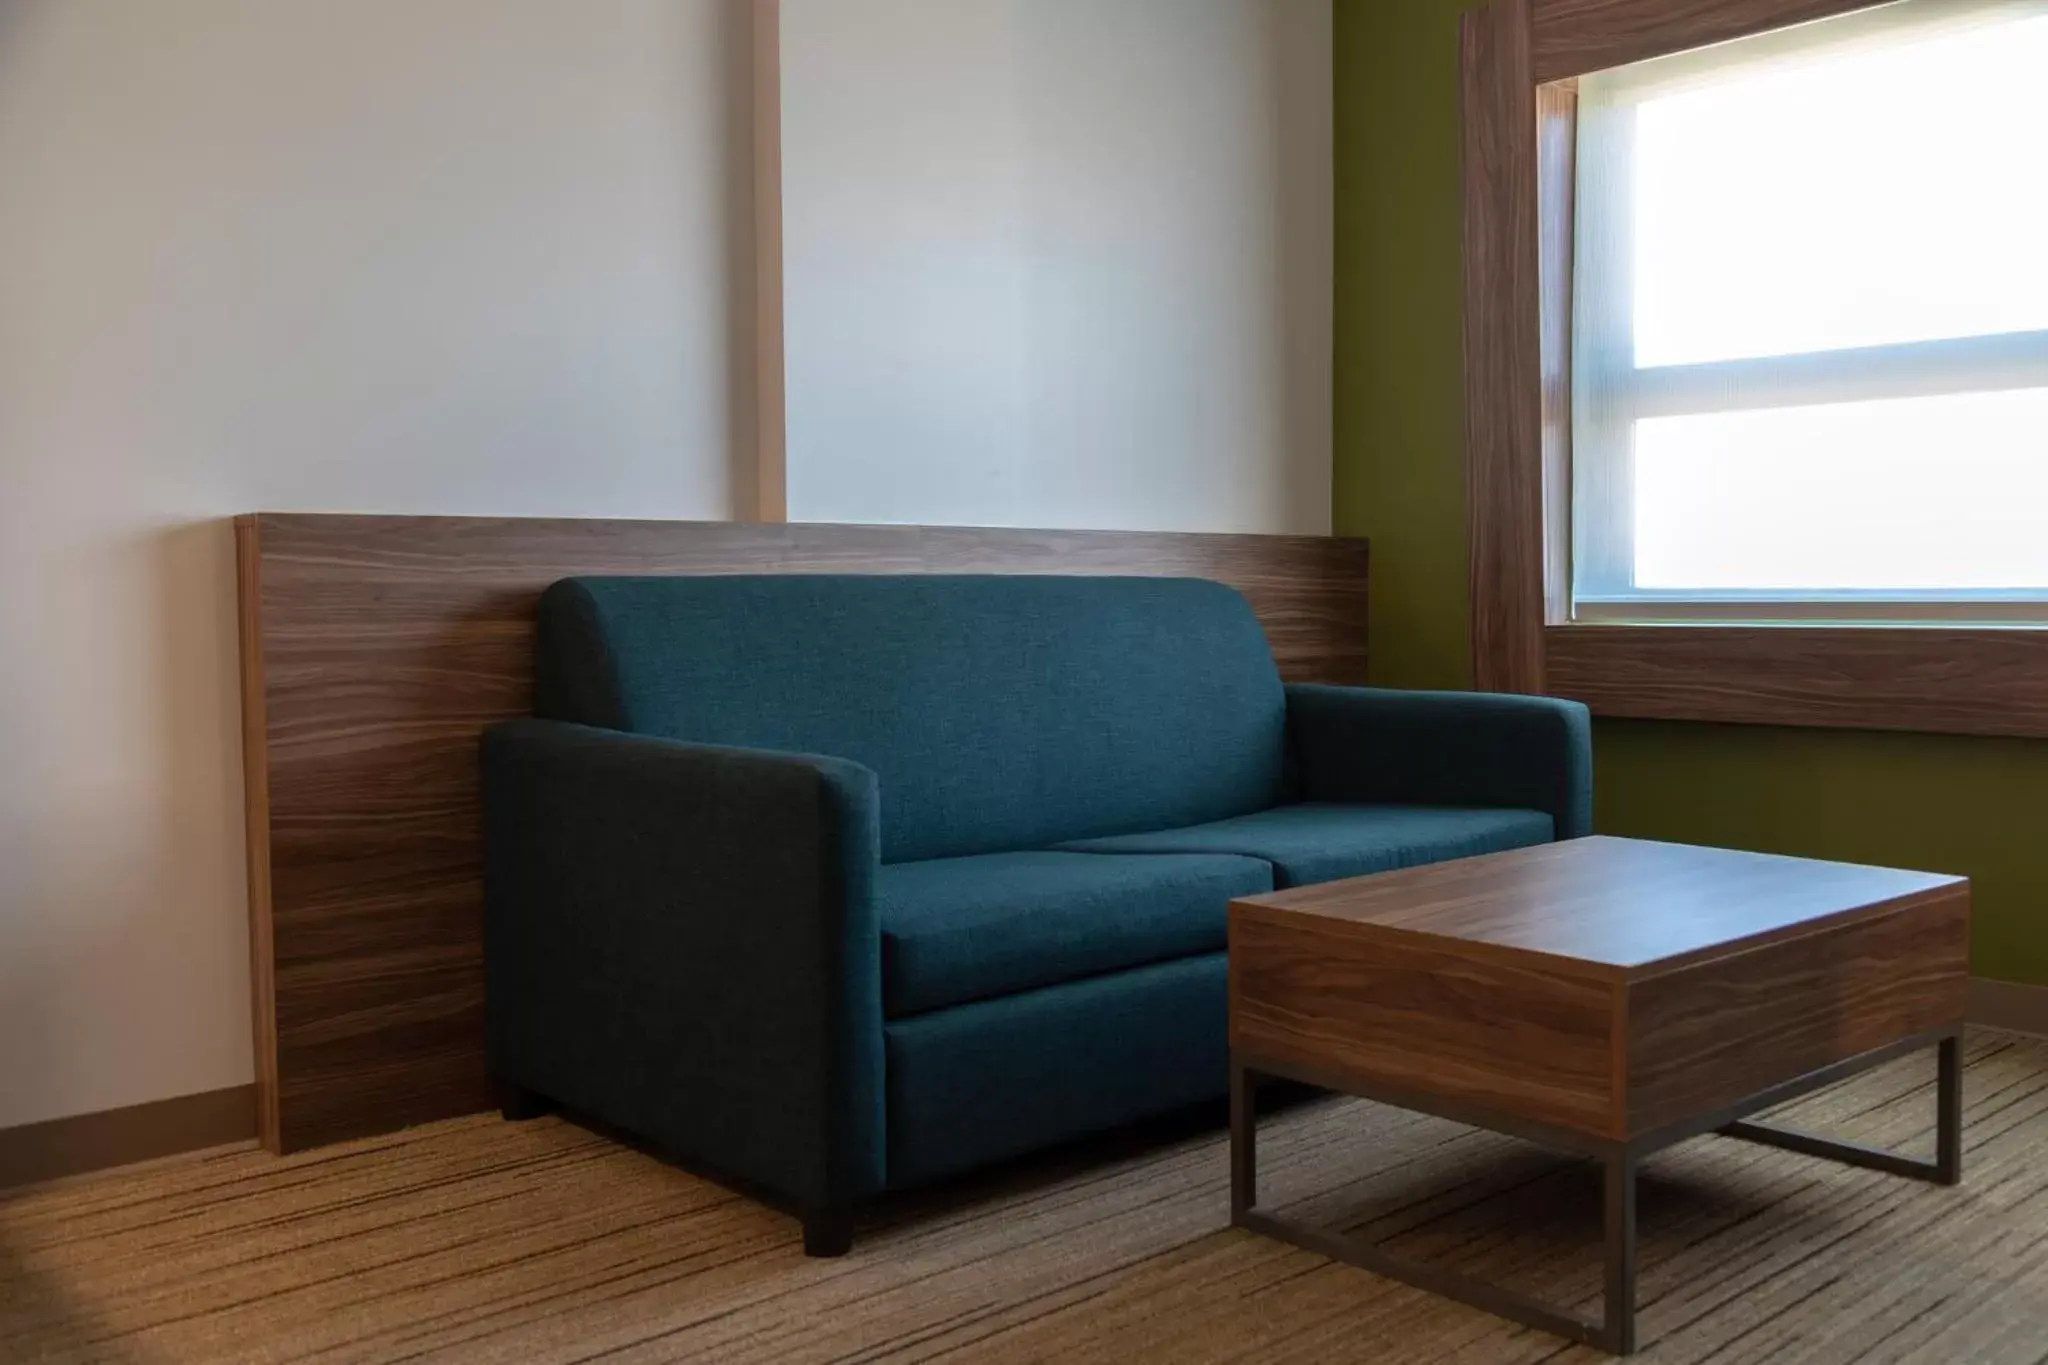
(1920, 369)
(1603, 355)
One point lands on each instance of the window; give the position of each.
(1810, 325)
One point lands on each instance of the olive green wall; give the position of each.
(1972, 806)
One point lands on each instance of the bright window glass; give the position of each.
(1892, 195)
(1810, 323)
(1912, 495)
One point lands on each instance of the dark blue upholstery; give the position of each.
(682, 940)
(963, 929)
(1321, 843)
(999, 713)
(976, 1084)
(845, 883)
(1372, 745)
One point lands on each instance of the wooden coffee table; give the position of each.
(1607, 997)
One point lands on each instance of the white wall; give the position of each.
(462, 256)
(1058, 262)
(1055, 262)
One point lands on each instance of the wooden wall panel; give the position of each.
(378, 648)
(1503, 370)
(1574, 37)
(1965, 682)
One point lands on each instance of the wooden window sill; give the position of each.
(1963, 681)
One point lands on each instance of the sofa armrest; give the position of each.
(1444, 748)
(681, 939)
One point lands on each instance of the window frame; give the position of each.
(1601, 328)
(1519, 62)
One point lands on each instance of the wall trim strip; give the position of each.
(36, 1152)
(1502, 347)
(767, 499)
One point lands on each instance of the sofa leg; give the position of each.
(828, 1232)
(517, 1104)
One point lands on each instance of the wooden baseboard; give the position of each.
(2011, 1005)
(118, 1137)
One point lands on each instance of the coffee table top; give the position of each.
(1611, 907)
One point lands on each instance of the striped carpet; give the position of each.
(481, 1241)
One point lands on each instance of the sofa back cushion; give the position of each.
(1000, 712)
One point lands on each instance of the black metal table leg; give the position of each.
(1244, 1142)
(1945, 1169)
(1451, 1284)
(1619, 1329)
(1948, 1128)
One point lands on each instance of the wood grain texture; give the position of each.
(384, 646)
(1608, 908)
(1607, 986)
(1933, 679)
(1423, 1014)
(256, 826)
(1574, 37)
(1503, 372)
(1713, 1033)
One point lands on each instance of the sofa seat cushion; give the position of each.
(1319, 843)
(956, 930)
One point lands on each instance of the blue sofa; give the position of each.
(840, 884)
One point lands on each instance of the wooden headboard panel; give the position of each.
(376, 649)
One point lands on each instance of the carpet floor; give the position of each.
(542, 1244)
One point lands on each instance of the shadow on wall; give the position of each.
(122, 853)
(125, 976)
(199, 646)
